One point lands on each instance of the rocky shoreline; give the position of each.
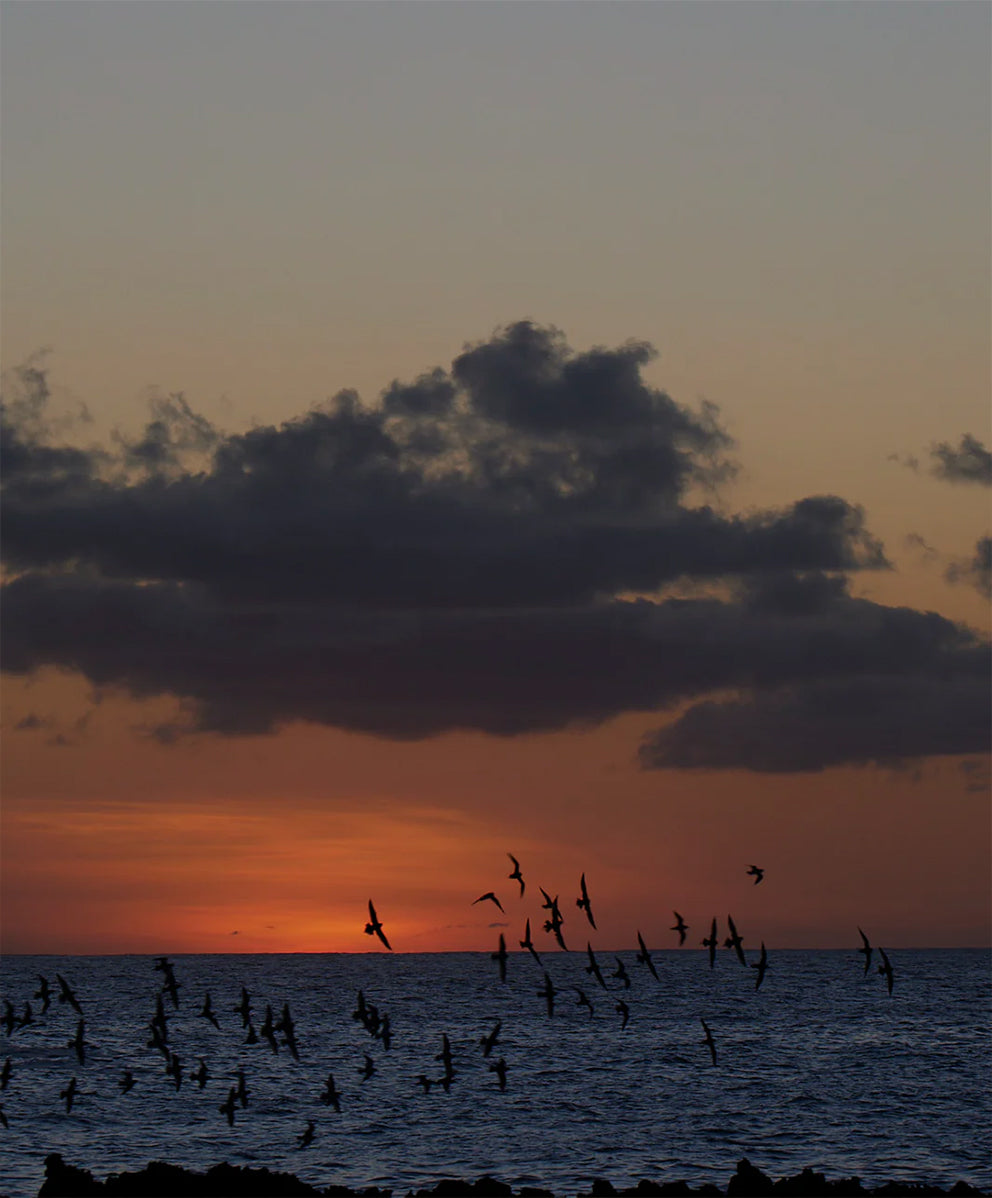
(161, 1180)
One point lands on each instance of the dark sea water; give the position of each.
(819, 1067)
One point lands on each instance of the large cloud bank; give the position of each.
(464, 555)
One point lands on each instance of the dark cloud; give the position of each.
(969, 462)
(853, 721)
(461, 555)
(977, 571)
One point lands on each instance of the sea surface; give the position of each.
(819, 1067)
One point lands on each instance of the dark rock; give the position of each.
(601, 1188)
(749, 1182)
(489, 1187)
(66, 1181)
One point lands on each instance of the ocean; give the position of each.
(819, 1067)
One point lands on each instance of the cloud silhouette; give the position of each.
(462, 554)
(977, 571)
(970, 462)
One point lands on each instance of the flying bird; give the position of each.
(77, 1043)
(735, 942)
(593, 966)
(679, 926)
(126, 1081)
(865, 950)
(66, 994)
(69, 1094)
(200, 1075)
(374, 927)
(500, 1070)
(624, 1011)
(644, 957)
(708, 1040)
(711, 942)
(758, 873)
(305, 1137)
(528, 944)
(516, 876)
(886, 969)
(44, 993)
(491, 897)
(501, 956)
(760, 965)
(207, 1012)
(229, 1105)
(330, 1096)
(489, 1042)
(242, 1090)
(583, 902)
(174, 1069)
(244, 1008)
(621, 973)
(583, 1000)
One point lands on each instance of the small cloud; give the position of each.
(969, 462)
(976, 571)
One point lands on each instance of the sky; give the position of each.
(435, 431)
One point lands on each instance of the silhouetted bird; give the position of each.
(159, 1021)
(374, 927)
(384, 1032)
(175, 1070)
(27, 1018)
(679, 926)
(69, 1094)
(169, 984)
(9, 1020)
(330, 1095)
(886, 969)
(516, 876)
(549, 903)
(207, 1011)
(286, 1025)
(500, 956)
(306, 1136)
(865, 950)
(708, 1040)
(553, 924)
(200, 1074)
(760, 965)
(758, 873)
(489, 1042)
(583, 1000)
(621, 973)
(361, 1011)
(252, 1037)
(126, 1081)
(156, 1041)
(268, 1029)
(3, 1118)
(445, 1056)
(711, 942)
(44, 993)
(229, 1106)
(644, 957)
(582, 902)
(528, 944)
(66, 994)
(77, 1043)
(490, 897)
(244, 1008)
(5, 1074)
(242, 1090)
(500, 1070)
(593, 967)
(735, 942)
(425, 1083)
(368, 1068)
(547, 992)
(624, 1011)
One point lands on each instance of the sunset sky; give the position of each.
(438, 431)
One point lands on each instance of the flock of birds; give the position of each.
(280, 1031)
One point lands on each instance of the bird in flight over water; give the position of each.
(528, 944)
(644, 957)
(583, 902)
(735, 942)
(679, 926)
(708, 1040)
(593, 966)
(885, 969)
(760, 965)
(489, 1042)
(491, 897)
(865, 950)
(501, 956)
(758, 873)
(374, 927)
(517, 876)
(710, 942)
